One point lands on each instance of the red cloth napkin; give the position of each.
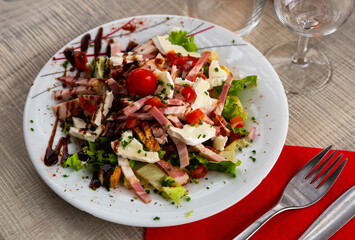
(287, 225)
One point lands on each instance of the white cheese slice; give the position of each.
(216, 74)
(103, 109)
(119, 58)
(183, 81)
(86, 134)
(164, 46)
(131, 148)
(203, 98)
(80, 123)
(193, 135)
(166, 85)
(219, 142)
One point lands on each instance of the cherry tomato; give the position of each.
(132, 123)
(237, 122)
(156, 102)
(200, 75)
(199, 172)
(80, 60)
(142, 82)
(233, 137)
(180, 61)
(188, 93)
(195, 117)
(89, 106)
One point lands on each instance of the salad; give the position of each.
(156, 115)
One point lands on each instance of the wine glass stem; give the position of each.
(300, 56)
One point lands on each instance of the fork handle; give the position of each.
(246, 234)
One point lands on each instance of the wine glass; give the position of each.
(307, 70)
(239, 16)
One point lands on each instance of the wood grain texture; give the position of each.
(32, 31)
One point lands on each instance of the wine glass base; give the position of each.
(300, 78)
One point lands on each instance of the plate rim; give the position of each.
(92, 211)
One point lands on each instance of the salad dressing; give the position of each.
(84, 44)
(97, 42)
(51, 157)
(95, 181)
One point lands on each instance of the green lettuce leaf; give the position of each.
(74, 162)
(180, 38)
(228, 167)
(238, 85)
(232, 108)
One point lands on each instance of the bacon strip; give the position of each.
(132, 179)
(114, 86)
(115, 48)
(179, 175)
(67, 109)
(176, 122)
(173, 72)
(251, 133)
(139, 116)
(147, 48)
(208, 153)
(160, 117)
(223, 96)
(72, 81)
(176, 111)
(68, 93)
(175, 102)
(196, 69)
(149, 65)
(221, 122)
(135, 106)
(181, 147)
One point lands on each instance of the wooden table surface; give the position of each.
(32, 31)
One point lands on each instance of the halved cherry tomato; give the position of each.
(199, 172)
(180, 61)
(155, 102)
(195, 117)
(200, 75)
(188, 93)
(142, 82)
(233, 137)
(80, 60)
(237, 122)
(132, 123)
(89, 106)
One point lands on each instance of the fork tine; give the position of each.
(325, 173)
(331, 179)
(315, 173)
(313, 162)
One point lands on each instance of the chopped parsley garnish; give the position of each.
(65, 64)
(207, 187)
(240, 149)
(139, 151)
(169, 169)
(253, 118)
(252, 158)
(199, 136)
(65, 175)
(156, 218)
(32, 129)
(188, 199)
(163, 90)
(160, 82)
(206, 92)
(254, 152)
(171, 86)
(124, 143)
(31, 121)
(204, 135)
(233, 41)
(147, 191)
(216, 69)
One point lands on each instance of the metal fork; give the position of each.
(303, 190)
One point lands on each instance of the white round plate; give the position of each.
(267, 103)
